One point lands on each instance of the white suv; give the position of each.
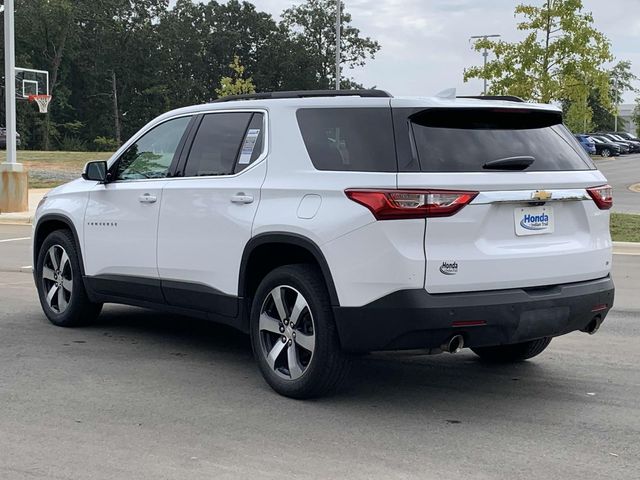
(328, 223)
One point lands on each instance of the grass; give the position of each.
(50, 169)
(625, 227)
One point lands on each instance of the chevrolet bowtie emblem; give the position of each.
(541, 195)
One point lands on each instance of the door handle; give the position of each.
(242, 199)
(147, 198)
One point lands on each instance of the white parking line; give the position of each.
(15, 239)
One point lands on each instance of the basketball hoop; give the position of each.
(43, 102)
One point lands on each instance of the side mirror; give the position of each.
(95, 171)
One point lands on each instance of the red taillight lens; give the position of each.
(403, 204)
(603, 196)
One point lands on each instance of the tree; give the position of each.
(311, 25)
(636, 116)
(236, 84)
(596, 114)
(560, 58)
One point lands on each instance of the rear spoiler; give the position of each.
(504, 98)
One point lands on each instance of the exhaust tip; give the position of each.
(454, 345)
(594, 325)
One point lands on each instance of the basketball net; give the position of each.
(42, 101)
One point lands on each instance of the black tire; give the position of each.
(78, 310)
(517, 352)
(328, 364)
(606, 152)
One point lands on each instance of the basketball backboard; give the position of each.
(31, 83)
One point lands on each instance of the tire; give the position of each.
(310, 362)
(518, 352)
(60, 285)
(605, 152)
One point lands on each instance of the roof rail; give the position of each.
(506, 98)
(306, 94)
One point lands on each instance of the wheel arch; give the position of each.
(50, 223)
(259, 247)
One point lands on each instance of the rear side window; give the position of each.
(464, 140)
(225, 144)
(349, 139)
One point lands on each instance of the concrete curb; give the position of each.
(626, 248)
(16, 218)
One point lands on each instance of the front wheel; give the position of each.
(606, 152)
(60, 284)
(518, 352)
(293, 333)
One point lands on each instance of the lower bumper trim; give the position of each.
(415, 319)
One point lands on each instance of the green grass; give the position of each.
(625, 227)
(50, 169)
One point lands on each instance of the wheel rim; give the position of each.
(57, 279)
(605, 153)
(287, 332)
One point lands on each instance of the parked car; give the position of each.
(587, 143)
(624, 148)
(606, 148)
(628, 136)
(327, 223)
(3, 138)
(634, 147)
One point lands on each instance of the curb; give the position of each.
(16, 219)
(626, 248)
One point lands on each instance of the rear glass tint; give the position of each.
(349, 139)
(464, 140)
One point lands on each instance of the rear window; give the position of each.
(349, 139)
(464, 140)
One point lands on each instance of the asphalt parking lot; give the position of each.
(142, 395)
(623, 172)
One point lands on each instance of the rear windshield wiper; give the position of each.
(510, 163)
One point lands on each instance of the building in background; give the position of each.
(626, 114)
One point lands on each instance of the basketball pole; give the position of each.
(14, 182)
(9, 81)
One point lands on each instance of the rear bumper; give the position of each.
(415, 319)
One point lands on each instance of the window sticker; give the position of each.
(249, 146)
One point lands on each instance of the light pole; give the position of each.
(338, 42)
(9, 81)
(615, 104)
(485, 54)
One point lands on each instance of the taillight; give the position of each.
(403, 204)
(603, 196)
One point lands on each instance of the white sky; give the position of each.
(425, 43)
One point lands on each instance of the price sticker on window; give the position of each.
(249, 146)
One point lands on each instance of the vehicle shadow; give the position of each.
(455, 386)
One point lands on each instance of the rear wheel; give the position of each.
(517, 352)
(59, 282)
(293, 334)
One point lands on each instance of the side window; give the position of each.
(219, 143)
(152, 154)
(349, 139)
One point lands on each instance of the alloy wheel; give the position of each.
(57, 279)
(287, 332)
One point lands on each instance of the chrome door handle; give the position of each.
(147, 198)
(242, 199)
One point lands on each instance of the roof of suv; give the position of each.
(352, 99)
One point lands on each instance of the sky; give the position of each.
(425, 43)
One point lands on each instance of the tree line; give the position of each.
(116, 64)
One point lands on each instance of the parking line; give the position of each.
(15, 239)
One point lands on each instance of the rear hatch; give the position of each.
(527, 215)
